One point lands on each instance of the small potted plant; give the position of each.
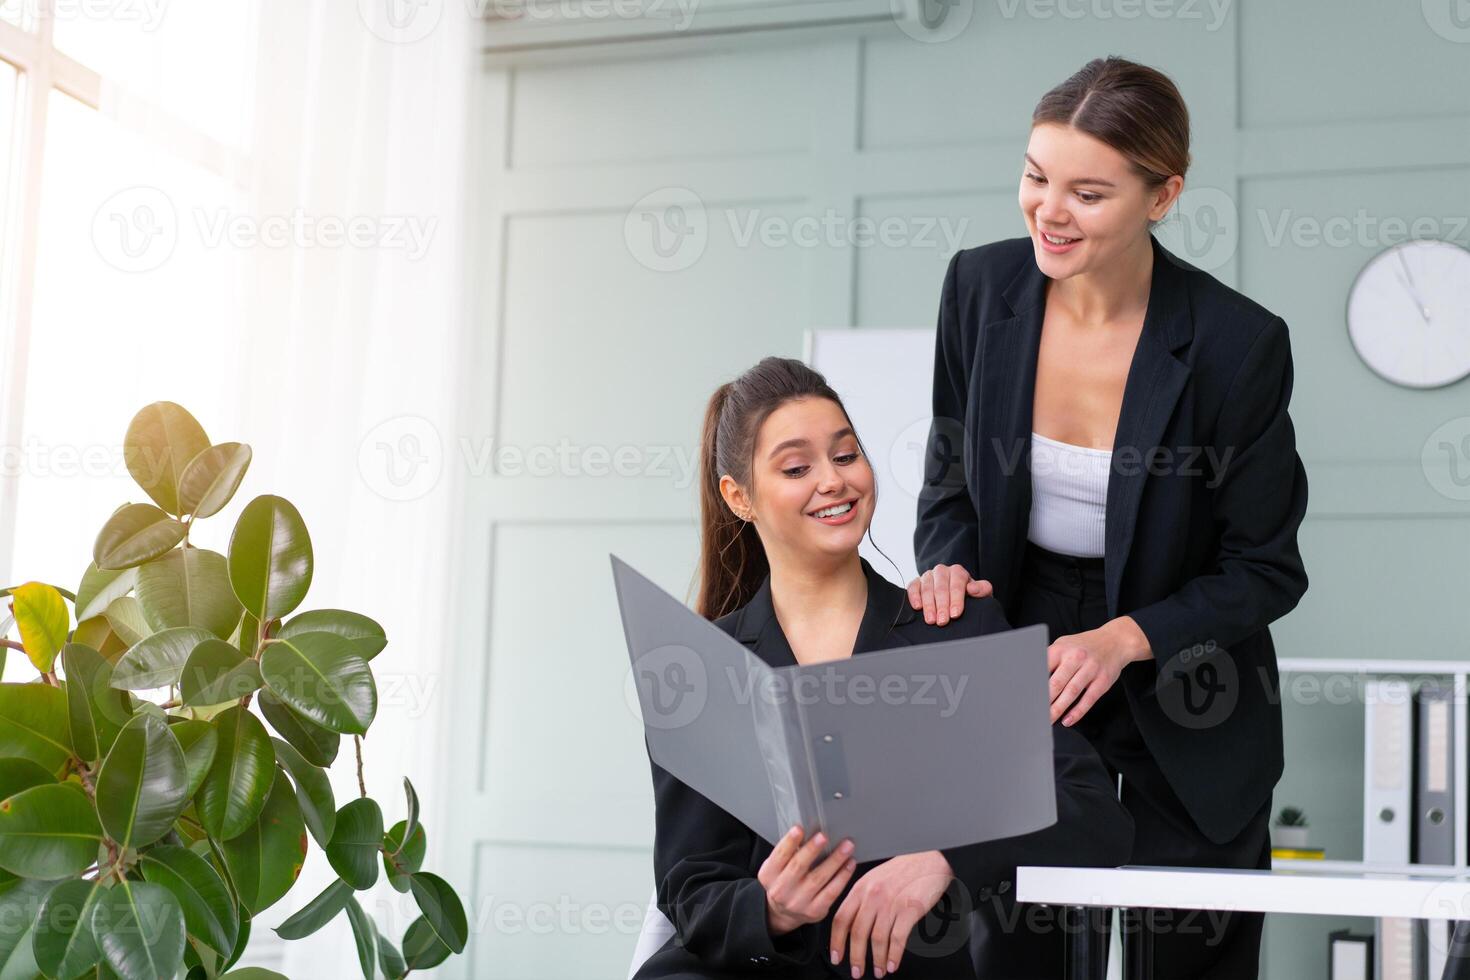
(1291, 828)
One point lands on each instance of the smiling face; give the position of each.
(807, 460)
(1077, 188)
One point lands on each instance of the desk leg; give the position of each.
(1457, 962)
(1138, 944)
(1085, 942)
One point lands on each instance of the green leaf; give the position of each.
(161, 441)
(211, 478)
(40, 614)
(315, 743)
(366, 936)
(441, 906)
(157, 660)
(126, 619)
(317, 912)
(140, 927)
(33, 725)
(254, 973)
(188, 587)
(199, 740)
(353, 851)
(270, 557)
(19, 774)
(135, 533)
(390, 960)
(413, 807)
(200, 962)
(367, 636)
(98, 634)
(235, 789)
(100, 586)
(422, 947)
(265, 860)
(209, 912)
(241, 941)
(20, 906)
(48, 832)
(216, 672)
(247, 635)
(318, 676)
(95, 711)
(64, 943)
(141, 786)
(313, 792)
(400, 860)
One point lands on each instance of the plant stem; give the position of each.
(114, 860)
(357, 744)
(86, 776)
(12, 644)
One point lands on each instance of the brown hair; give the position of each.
(1135, 109)
(732, 561)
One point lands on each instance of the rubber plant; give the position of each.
(163, 775)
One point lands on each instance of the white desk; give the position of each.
(1337, 888)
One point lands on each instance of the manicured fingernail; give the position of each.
(891, 967)
(857, 973)
(820, 839)
(835, 957)
(878, 972)
(845, 847)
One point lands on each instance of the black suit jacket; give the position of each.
(705, 860)
(1203, 503)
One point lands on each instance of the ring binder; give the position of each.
(831, 767)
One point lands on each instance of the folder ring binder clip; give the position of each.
(831, 767)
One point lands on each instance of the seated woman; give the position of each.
(787, 495)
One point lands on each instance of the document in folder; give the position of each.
(911, 749)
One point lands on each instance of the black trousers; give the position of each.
(1020, 941)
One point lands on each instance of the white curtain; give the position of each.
(324, 143)
(350, 372)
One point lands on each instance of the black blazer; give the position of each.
(705, 860)
(1203, 503)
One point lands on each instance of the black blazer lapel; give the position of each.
(1156, 379)
(888, 608)
(1003, 468)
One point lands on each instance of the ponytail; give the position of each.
(732, 562)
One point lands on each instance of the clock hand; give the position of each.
(1412, 287)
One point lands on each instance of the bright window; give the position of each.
(123, 158)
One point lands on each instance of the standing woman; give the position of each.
(1127, 475)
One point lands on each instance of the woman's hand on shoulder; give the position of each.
(941, 592)
(799, 889)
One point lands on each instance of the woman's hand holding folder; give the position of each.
(797, 891)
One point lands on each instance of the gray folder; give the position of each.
(1433, 833)
(911, 749)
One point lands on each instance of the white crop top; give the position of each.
(1069, 495)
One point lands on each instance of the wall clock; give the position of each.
(1408, 313)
